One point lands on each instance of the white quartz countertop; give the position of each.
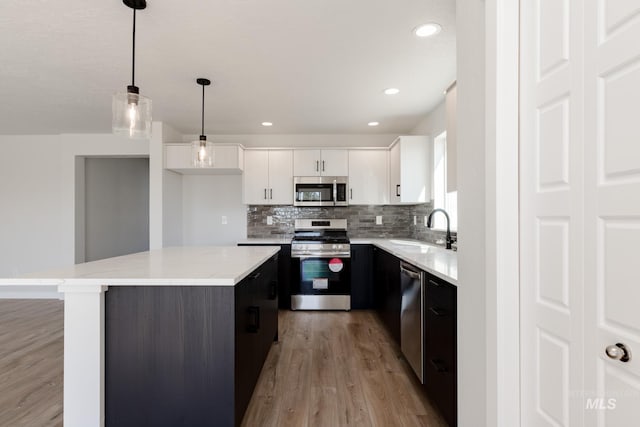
(178, 266)
(433, 259)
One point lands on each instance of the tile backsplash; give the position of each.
(397, 221)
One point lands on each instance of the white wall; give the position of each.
(206, 199)
(117, 207)
(38, 193)
(31, 212)
(434, 123)
(472, 347)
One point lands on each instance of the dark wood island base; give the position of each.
(187, 355)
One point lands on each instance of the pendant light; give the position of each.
(202, 150)
(132, 111)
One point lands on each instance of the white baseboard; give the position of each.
(30, 292)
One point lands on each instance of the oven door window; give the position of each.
(314, 192)
(325, 276)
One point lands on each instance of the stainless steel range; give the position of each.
(321, 265)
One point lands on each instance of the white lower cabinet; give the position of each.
(368, 177)
(268, 177)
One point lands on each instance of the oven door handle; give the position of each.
(324, 255)
(335, 192)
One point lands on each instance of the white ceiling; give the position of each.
(308, 66)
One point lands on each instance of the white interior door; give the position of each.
(580, 211)
(551, 213)
(612, 210)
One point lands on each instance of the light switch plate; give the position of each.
(426, 218)
(415, 220)
(378, 219)
(269, 220)
(224, 219)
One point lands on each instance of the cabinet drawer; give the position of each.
(440, 294)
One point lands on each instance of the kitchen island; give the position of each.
(174, 336)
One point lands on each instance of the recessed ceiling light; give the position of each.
(267, 124)
(427, 30)
(373, 123)
(391, 91)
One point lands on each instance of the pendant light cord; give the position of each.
(202, 110)
(133, 68)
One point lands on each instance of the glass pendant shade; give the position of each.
(131, 115)
(202, 153)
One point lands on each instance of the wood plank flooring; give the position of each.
(328, 369)
(31, 362)
(337, 369)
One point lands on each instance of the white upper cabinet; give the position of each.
(268, 177)
(410, 170)
(227, 160)
(308, 162)
(368, 177)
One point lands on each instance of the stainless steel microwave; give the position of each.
(320, 191)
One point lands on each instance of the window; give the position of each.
(442, 199)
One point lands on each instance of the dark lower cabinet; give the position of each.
(439, 328)
(440, 358)
(187, 355)
(362, 297)
(284, 274)
(387, 290)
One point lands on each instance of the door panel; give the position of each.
(580, 211)
(551, 213)
(612, 209)
(281, 177)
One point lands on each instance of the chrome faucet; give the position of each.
(449, 241)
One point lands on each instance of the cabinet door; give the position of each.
(395, 188)
(306, 162)
(388, 294)
(256, 177)
(415, 169)
(334, 162)
(440, 367)
(368, 183)
(280, 177)
(361, 278)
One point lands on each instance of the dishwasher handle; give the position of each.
(409, 272)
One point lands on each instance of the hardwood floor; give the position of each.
(31, 351)
(337, 369)
(328, 369)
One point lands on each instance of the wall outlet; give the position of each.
(269, 220)
(426, 218)
(224, 219)
(415, 220)
(378, 219)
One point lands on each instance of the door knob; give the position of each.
(618, 352)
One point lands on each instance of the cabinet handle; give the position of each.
(323, 166)
(317, 166)
(439, 365)
(273, 290)
(265, 194)
(351, 193)
(254, 276)
(438, 311)
(434, 283)
(271, 193)
(398, 190)
(253, 314)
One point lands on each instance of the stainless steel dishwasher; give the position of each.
(412, 317)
